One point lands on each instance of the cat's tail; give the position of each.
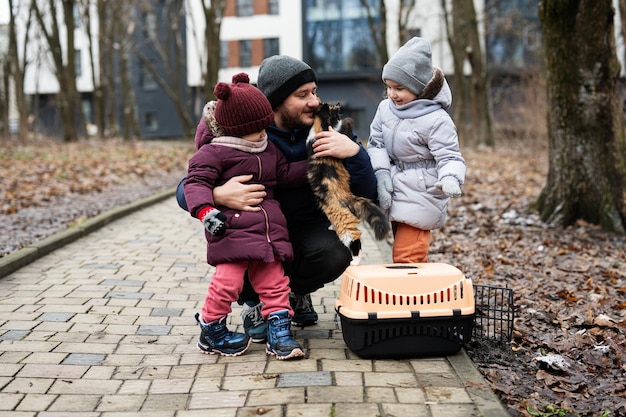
(374, 216)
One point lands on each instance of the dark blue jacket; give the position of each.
(299, 204)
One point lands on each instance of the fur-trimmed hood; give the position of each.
(208, 128)
(435, 85)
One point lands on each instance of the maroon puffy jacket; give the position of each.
(260, 235)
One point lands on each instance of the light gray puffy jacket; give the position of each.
(418, 144)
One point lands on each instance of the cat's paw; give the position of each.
(346, 239)
(355, 248)
(309, 145)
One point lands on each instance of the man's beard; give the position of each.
(292, 121)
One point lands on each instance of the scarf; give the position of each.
(241, 144)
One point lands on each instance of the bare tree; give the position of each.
(379, 30)
(17, 62)
(587, 146)
(472, 107)
(63, 59)
(622, 15)
(86, 15)
(161, 51)
(213, 12)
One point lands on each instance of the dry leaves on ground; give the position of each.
(568, 354)
(47, 186)
(33, 174)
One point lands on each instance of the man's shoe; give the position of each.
(280, 341)
(216, 338)
(253, 322)
(303, 312)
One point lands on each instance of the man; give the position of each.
(319, 257)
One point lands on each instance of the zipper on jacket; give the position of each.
(258, 158)
(267, 226)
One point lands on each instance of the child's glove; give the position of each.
(214, 221)
(384, 188)
(450, 186)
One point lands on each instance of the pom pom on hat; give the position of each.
(242, 108)
(411, 65)
(281, 75)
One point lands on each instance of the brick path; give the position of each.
(103, 327)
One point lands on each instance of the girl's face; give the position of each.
(398, 93)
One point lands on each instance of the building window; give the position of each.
(513, 34)
(78, 21)
(245, 53)
(78, 63)
(273, 7)
(338, 37)
(270, 47)
(149, 25)
(147, 81)
(223, 54)
(150, 121)
(245, 8)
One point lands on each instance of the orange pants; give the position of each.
(410, 244)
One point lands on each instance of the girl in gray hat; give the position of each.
(414, 150)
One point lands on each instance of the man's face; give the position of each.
(297, 109)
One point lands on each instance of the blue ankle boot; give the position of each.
(216, 338)
(280, 341)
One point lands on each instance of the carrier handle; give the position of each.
(401, 267)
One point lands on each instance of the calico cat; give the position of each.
(330, 182)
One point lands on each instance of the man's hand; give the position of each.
(335, 144)
(238, 195)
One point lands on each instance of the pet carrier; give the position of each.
(404, 310)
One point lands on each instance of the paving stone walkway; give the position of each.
(103, 326)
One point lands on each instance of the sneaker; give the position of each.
(216, 338)
(303, 312)
(253, 322)
(280, 341)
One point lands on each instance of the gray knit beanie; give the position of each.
(281, 75)
(411, 65)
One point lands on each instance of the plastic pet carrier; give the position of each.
(405, 310)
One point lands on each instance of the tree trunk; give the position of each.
(97, 117)
(480, 110)
(472, 106)
(5, 70)
(455, 32)
(213, 14)
(17, 70)
(67, 91)
(586, 138)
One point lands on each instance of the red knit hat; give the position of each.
(241, 107)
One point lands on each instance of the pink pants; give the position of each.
(410, 244)
(267, 279)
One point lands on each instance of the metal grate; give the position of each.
(494, 313)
